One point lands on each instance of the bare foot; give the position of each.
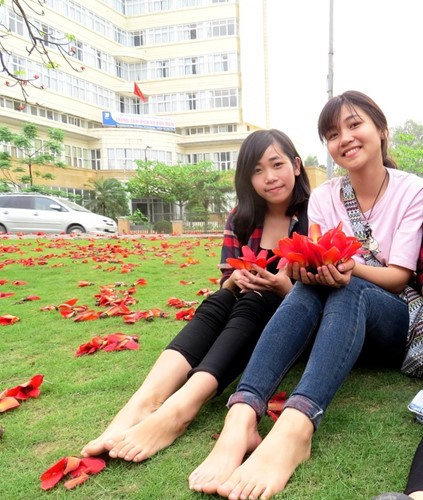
(152, 434)
(239, 437)
(268, 469)
(131, 414)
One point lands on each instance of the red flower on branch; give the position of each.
(248, 258)
(317, 250)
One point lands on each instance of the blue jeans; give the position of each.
(360, 318)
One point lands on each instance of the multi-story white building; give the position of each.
(201, 64)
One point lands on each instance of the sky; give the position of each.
(378, 49)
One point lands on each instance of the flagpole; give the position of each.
(329, 161)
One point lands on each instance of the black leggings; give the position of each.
(415, 477)
(222, 335)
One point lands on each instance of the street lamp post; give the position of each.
(329, 161)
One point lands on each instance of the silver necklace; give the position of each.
(371, 244)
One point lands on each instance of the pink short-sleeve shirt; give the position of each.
(396, 220)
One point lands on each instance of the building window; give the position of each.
(96, 159)
(192, 101)
(191, 65)
(138, 38)
(162, 68)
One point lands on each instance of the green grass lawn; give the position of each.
(363, 447)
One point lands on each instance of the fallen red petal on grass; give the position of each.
(113, 342)
(54, 474)
(3, 282)
(215, 281)
(48, 308)
(19, 283)
(185, 314)
(140, 282)
(79, 469)
(87, 316)
(8, 319)
(28, 298)
(275, 405)
(30, 389)
(7, 403)
(183, 282)
(179, 303)
(85, 283)
(76, 481)
(4, 295)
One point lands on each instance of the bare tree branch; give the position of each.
(40, 42)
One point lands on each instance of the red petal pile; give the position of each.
(317, 250)
(112, 342)
(79, 469)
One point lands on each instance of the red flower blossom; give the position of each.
(140, 282)
(316, 250)
(30, 389)
(248, 258)
(87, 316)
(112, 342)
(180, 303)
(8, 319)
(78, 468)
(28, 298)
(185, 314)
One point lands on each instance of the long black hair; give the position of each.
(329, 118)
(251, 208)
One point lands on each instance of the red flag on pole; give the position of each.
(137, 92)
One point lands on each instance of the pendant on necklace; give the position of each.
(371, 244)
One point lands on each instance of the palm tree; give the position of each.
(110, 198)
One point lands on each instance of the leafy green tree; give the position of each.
(199, 184)
(407, 147)
(311, 161)
(179, 185)
(32, 151)
(110, 198)
(146, 182)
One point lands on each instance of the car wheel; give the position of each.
(3, 229)
(75, 229)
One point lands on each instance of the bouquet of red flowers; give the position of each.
(317, 250)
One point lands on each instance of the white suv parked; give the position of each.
(33, 212)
